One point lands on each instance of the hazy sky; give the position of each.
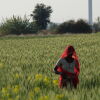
(62, 9)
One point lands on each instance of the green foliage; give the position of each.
(41, 16)
(17, 25)
(82, 26)
(71, 26)
(66, 27)
(26, 65)
(97, 25)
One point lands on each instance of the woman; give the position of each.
(68, 66)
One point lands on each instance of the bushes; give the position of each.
(66, 27)
(97, 27)
(17, 25)
(82, 26)
(71, 26)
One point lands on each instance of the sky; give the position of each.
(63, 10)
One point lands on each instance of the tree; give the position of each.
(41, 16)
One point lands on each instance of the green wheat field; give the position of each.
(26, 65)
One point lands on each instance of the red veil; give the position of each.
(67, 51)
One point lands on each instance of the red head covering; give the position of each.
(70, 50)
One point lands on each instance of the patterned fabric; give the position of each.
(65, 65)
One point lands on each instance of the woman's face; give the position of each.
(70, 51)
(70, 54)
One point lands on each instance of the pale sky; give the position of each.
(63, 10)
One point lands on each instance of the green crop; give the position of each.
(26, 65)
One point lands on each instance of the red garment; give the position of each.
(66, 52)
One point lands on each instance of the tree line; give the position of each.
(41, 23)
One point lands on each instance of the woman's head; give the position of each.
(69, 51)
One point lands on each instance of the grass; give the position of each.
(26, 65)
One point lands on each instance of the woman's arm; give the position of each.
(55, 70)
(58, 64)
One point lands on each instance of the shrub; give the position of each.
(71, 26)
(17, 25)
(97, 27)
(82, 26)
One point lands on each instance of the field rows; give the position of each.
(26, 65)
